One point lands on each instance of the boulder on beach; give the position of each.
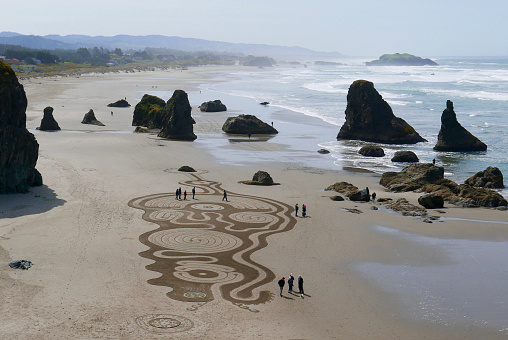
(491, 178)
(405, 156)
(371, 151)
(212, 106)
(343, 187)
(89, 118)
(431, 201)
(19, 149)
(245, 124)
(337, 198)
(120, 103)
(48, 122)
(453, 136)
(177, 120)
(260, 178)
(369, 118)
(362, 195)
(149, 112)
(186, 168)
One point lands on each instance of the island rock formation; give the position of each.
(371, 151)
(149, 112)
(453, 136)
(405, 156)
(48, 122)
(491, 178)
(120, 103)
(213, 106)
(89, 118)
(371, 119)
(19, 149)
(245, 124)
(400, 59)
(177, 121)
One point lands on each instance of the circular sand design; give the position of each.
(205, 206)
(165, 202)
(195, 295)
(249, 217)
(164, 323)
(200, 272)
(195, 241)
(165, 215)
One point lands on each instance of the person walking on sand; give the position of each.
(304, 210)
(193, 192)
(180, 193)
(225, 197)
(111, 112)
(282, 282)
(185, 195)
(176, 194)
(373, 197)
(296, 209)
(291, 280)
(300, 285)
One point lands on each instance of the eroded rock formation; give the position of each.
(405, 156)
(371, 119)
(149, 112)
(19, 149)
(177, 121)
(371, 151)
(89, 118)
(213, 106)
(453, 136)
(491, 178)
(48, 122)
(245, 124)
(120, 103)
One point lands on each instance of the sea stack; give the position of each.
(369, 118)
(48, 122)
(453, 136)
(89, 118)
(148, 112)
(247, 124)
(177, 121)
(19, 149)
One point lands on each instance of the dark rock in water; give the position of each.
(362, 195)
(260, 178)
(400, 59)
(120, 103)
(212, 106)
(186, 168)
(89, 118)
(177, 121)
(428, 178)
(453, 136)
(405, 156)
(245, 124)
(431, 201)
(343, 187)
(19, 149)
(257, 61)
(323, 151)
(149, 112)
(491, 178)
(371, 119)
(337, 198)
(371, 151)
(48, 122)
(264, 103)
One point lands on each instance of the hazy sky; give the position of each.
(358, 28)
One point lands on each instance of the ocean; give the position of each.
(478, 87)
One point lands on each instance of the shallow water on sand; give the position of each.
(450, 281)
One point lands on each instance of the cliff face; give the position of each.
(18, 148)
(371, 119)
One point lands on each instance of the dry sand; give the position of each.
(89, 281)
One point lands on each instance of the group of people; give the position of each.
(304, 210)
(291, 280)
(178, 193)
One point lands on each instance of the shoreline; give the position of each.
(89, 280)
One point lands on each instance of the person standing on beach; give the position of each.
(180, 193)
(296, 209)
(193, 192)
(185, 195)
(291, 280)
(282, 282)
(434, 161)
(373, 197)
(176, 194)
(225, 197)
(304, 210)
(300, 285)
(111, 112)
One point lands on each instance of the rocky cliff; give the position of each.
(177, 120)
(18, 148)
(371, 119)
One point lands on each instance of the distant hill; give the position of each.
(126, 42)
(398, 59)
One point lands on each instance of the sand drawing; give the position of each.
(202, 248)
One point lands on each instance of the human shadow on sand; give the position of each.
(36, 201)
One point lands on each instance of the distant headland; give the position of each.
(400, 59)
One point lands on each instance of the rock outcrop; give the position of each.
(89, 118)
(405, 156)
(453, 136)
(424, 177)
(149, 112)
(48, 122)
(401, 59)
(177, 120)
(245, 124)
(371, 151)
(491, 178)
(371, 119)
(343, 187)
(260, 178)
(323, 151)
(19, 149)
(431, 201)
(186, 168)
(213, 106)
(362, 195)
(120, 103)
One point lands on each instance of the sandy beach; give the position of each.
(90, 282)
